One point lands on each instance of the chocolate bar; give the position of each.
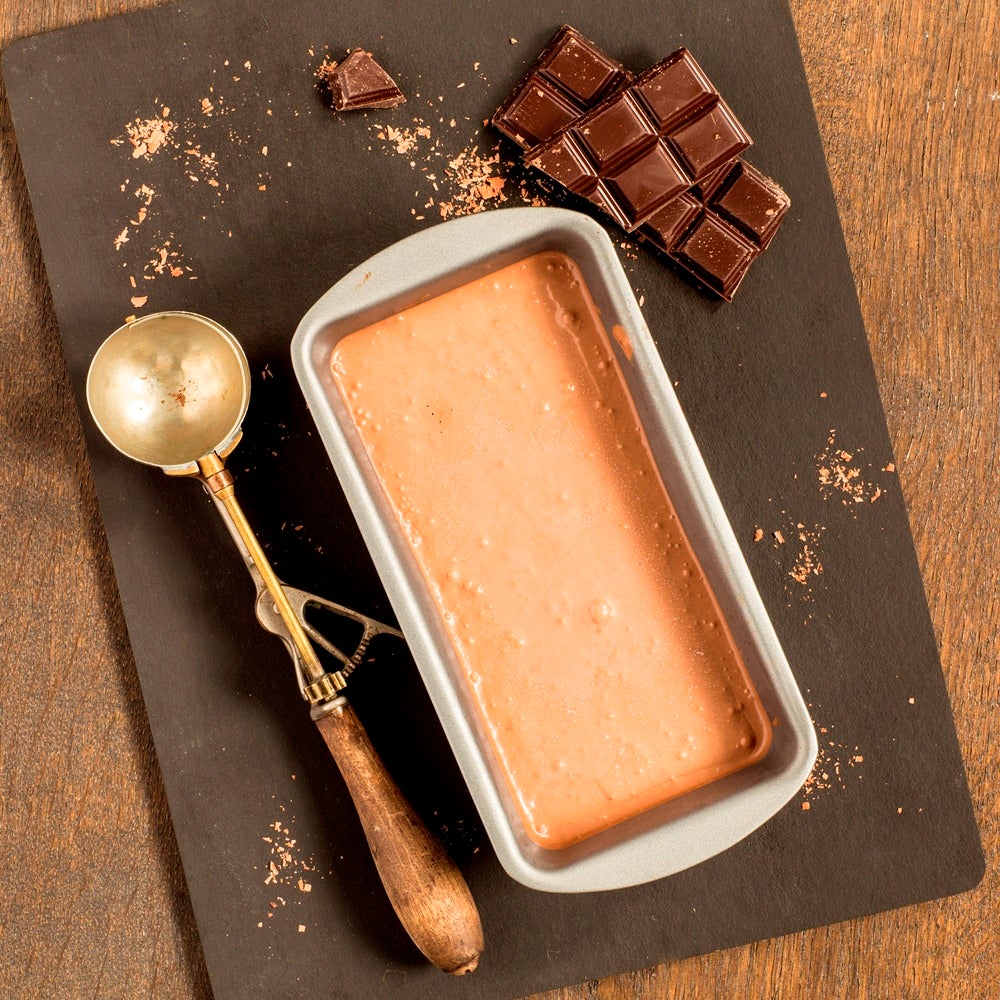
(570, 77)
(360, 82)
(717, 227)
(645, 144)
(716, 230)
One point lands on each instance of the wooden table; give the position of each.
(92, 898)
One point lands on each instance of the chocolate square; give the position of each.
(751, 202)
(580, 68)
(679, 88)
(565, 162)
(360, 82)
(710, 139)
(717, 254)
(645, 183)
(672, 221)
(614, 132)
(539, 111)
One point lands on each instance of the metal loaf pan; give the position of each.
(677, 834)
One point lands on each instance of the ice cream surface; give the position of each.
(502, 431)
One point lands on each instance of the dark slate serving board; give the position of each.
(764, 381)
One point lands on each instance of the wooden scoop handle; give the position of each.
(424, 885)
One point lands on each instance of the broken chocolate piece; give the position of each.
(359, 82)
(647, 143)
(570, 76)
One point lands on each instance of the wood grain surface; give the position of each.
(93, 900)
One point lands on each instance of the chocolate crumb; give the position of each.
(831, 770)
(840, 475)
(148, 135)
(807, 563)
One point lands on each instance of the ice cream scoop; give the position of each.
(171, 389)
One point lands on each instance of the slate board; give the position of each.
(229, 727)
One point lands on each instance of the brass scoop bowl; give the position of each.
(171, 389)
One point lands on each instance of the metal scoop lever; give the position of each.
(271, 620)
(267, 615)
